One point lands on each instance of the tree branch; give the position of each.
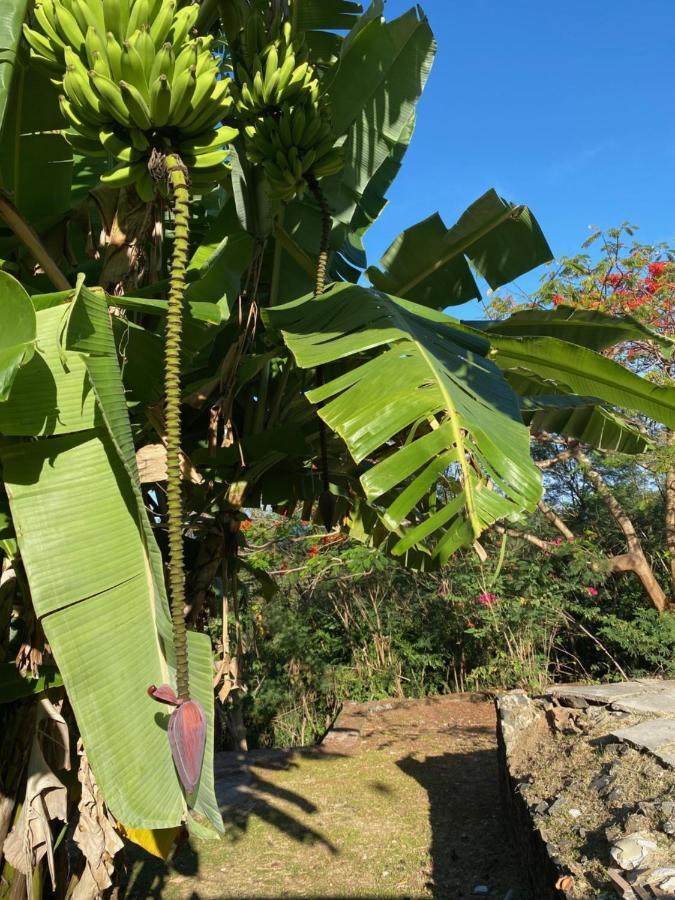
(29, 237)
(555, 520)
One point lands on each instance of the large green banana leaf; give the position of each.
(428, 263)
(383, 69)
(378, 125)
(17, 335)
(12, 14)
(36, 163)
(585, 372)
(552, 408)
(94, 569)
(589, 328)
(419, 402)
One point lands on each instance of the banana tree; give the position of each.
(374, 407)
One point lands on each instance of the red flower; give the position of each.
(657, 269)
(593, 592)
(557, 299)
(313, 550)
(651, 286)
(614, 279)
(487, 599)
(246, 524)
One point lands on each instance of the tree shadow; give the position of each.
(243, 793)
(469, 842)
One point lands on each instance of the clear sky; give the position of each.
(568, 107)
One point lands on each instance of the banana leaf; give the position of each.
(12, 14)
(416, 401)
(93, 566)
(586, 373)
(17, 335)
(589, 328)
(428, 263)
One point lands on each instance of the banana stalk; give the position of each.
(176, 173)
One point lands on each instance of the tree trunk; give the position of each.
(634, 560)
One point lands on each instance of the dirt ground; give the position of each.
(411, 810)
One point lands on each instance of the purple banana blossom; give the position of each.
(187, 734)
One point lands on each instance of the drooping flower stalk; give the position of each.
(187, 723)
(176, 176)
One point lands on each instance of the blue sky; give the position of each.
(566, 107)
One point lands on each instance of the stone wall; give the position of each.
(517, 714)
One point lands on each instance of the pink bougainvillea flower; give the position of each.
(487, 599)
(187, 737)
(187, 734)
(592, 591)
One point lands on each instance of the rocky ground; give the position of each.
(595, 766)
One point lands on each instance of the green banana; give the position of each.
(163, 64)
(183, 22)
(112, 16)
(93, 44)
(182, 89)
(299, 121)
(46, 23)
(83, 145)
(160, 101)
(124, 175)
(113, 51)
(92, 15)
(133, 71)
(331, 164)
(111, 97)
(145, 186)
(100, 65)
(206, 160)
(40, 44)
(139, 111)
(139, 15)
(79, 91)
(118, 147)
(208, 140)
(144, 45)
(68, 28)
(160, 25)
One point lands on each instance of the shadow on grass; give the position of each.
(242, 794)
(469, 845)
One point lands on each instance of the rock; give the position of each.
(541, 807)
(668, 827)
(556, 807)
(616, 795)
(600, 782)
(629, 852)
(663, 878)
(667, 808)
(481, 890)
(575, 813)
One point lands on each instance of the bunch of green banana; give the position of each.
(287, 127)
(135, 78)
